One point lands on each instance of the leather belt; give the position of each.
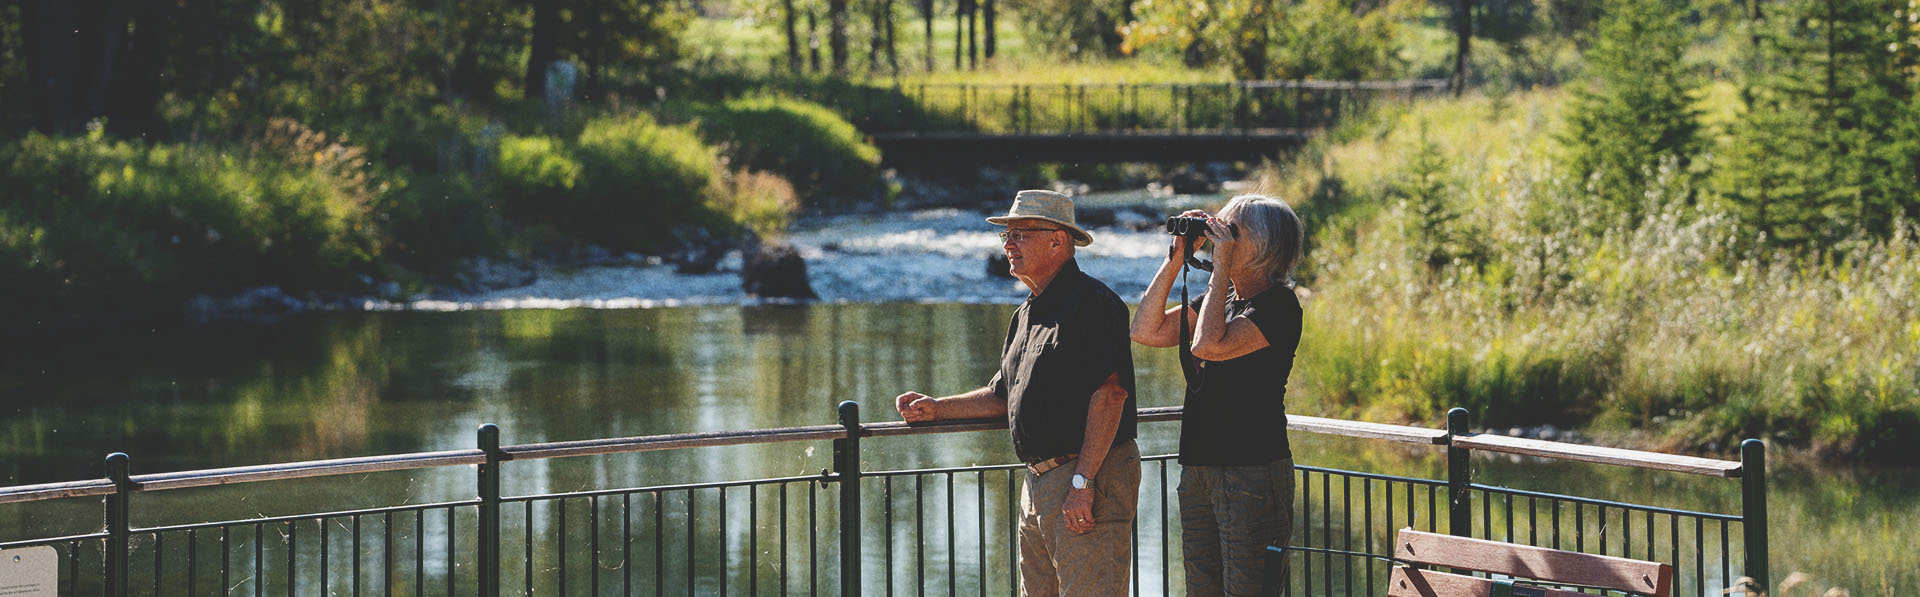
(1041, 467)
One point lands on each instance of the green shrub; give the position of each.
(821, 154)
(537, 175)
(639, 180)
(434, 222)
(123, 226)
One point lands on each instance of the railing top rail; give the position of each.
(1599, 455)
(421, 460)
(299, 470)
(675, 441)
(55, 491)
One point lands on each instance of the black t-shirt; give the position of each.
(1236, 410)
(1061, 346)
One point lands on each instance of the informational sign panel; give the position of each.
(29, 572)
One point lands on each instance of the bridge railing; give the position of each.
(899, 531)
(1146, 108)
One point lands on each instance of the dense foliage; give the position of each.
(821, 154)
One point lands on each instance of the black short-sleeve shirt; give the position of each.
(1236, 410)
(1061, 346)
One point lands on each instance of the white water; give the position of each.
(933, 255)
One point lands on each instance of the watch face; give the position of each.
(1079, 481)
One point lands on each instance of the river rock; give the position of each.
(699, 252)
(775, 271)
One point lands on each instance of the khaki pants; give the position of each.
(1228, 517)
(1057, 561)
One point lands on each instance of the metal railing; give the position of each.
(935, 529)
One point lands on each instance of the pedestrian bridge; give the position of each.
(936, 124)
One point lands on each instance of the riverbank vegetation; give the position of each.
(1639, 255)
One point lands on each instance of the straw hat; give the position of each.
(1045, 205)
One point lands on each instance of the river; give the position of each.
(622, 351)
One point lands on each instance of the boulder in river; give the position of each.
(775, 271)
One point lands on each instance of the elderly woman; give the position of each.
(1236, 487)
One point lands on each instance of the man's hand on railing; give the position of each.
(916, 407)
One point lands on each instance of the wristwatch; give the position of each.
(1081, 481)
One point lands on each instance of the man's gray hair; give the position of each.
(1274, 230)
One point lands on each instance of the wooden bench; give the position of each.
(1519, 562)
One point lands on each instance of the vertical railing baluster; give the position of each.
(1626, 532)
(560, 545)
(1699, 555)
(386, 555)
(920, 533)
(813, 531)
(193, 569)
(593, 543)
(488, 436)
(1726, 557)
(1533, 522)
(259, 562)
(452, 531)
(1013, 537)
(1326, 507)
(293, 543)
(226, 558)
(886, 492)
(119, 470)
(660, 542)
(1346, 526)
(158, 548)
(528, 549)
(952, 546)
(356, 555)
(980, 491)
(1306, 529)
(1166, 533)
(1554, 510)
(1366, 486)
(691, 585)
(420, 552)
(324, 580)
(1753, 510)
(1579, 527)
(626, 543)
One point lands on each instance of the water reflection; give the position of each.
(356, 384)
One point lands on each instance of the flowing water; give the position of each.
(907, 305)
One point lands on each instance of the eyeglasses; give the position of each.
(1018, 235)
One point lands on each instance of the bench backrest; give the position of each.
(1520, 561)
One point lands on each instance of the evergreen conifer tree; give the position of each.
(1636, 106)
(1830, 144)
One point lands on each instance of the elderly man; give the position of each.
(1066, 387)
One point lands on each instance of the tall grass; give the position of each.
(1674, 329)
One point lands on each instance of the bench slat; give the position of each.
(1534, 562)
(1409, 582)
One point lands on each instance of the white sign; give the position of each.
(29, 572)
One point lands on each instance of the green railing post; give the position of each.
(847, 462)
(1753, 509)
(1459, 478)
(489, 437)
(119, 470)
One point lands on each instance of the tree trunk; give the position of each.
(987, 23)
(813, 41)
(69, 50)
(875, 45)
(596, 42)
(893, 55)
(959, 34)
(542, 49)
(926, 12)
(837, 35)
(1463, 30)
(793, 39)
(973, 47)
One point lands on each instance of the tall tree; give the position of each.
(1635, 109)
(793, 39)
(541, 49)
(988, 23)
(926, 12)
(1463, 42)
(1837, 88)
(837, 35)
